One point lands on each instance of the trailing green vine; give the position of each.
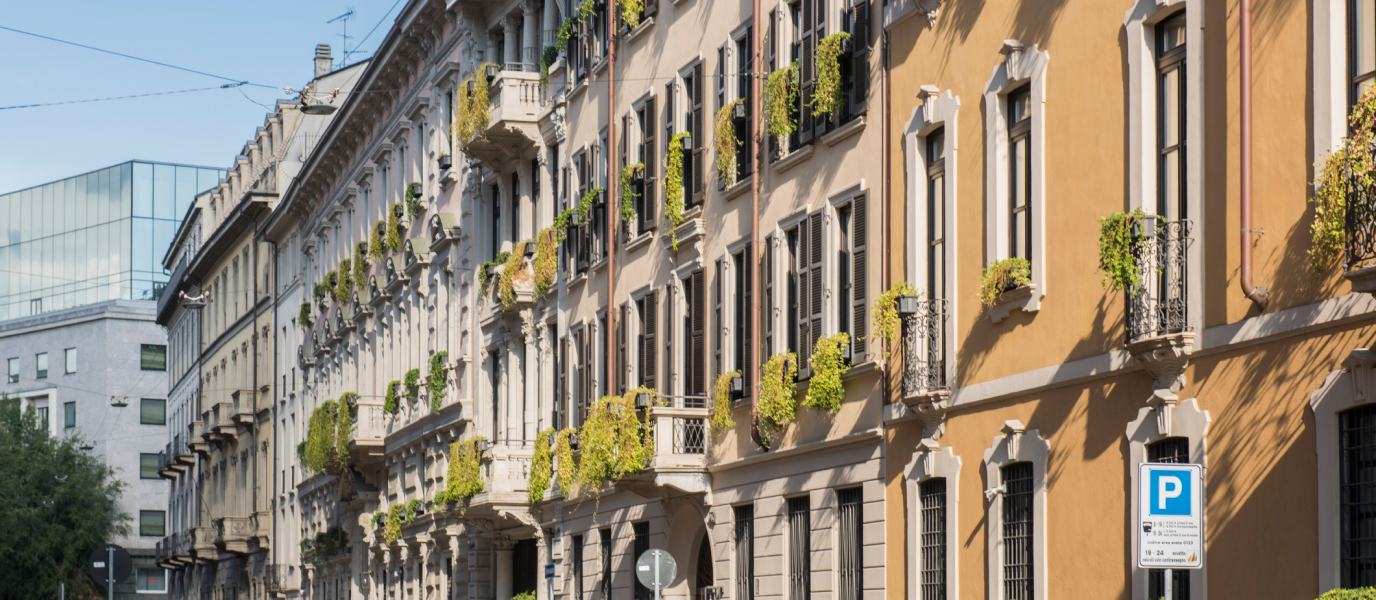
(1002, 275)
(324, 546)
(344, 282)
(724, 136)
(326, 448)
(885, 323)
(331, 282)
(391, 532)
(378, 518)
(360, 264)
(513, 273)
(719, 413)
(566, 469)
(827, 94)
(1328, 232)
(541, 467)
(1116, 259)
(411, 198)
(303, 317)
(389, 401)
(780, 96)
(393, 238)
(630, 12)
(546, 264)
(628, 172)
(615, 442)
(473, 115)
(777, 404)
(485, 270)
(320, 291)
(438, 379)
(464, 478)
(824, 389)
(411, 381)
(547, 58)
(377, 245)
(673, 187)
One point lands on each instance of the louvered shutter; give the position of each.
(746, 311)
(716, 316)
(669, 296)
(859, 279)
(588, 374)
(562, 369)
(814, 303)
(649, 328)
(699, 323)
(615, 174)
(767, 302)
(803, 268)
(699, 142)
(647, 142)
(860, 57)
(651, 9)
(621, 351)
(770, 42)
(806, 73)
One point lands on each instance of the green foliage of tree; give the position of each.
(824, 389)
(1000, 276)
(58, 503)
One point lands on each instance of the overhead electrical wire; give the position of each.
(217, 87)
(370, 32)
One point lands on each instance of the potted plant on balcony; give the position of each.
(389, 401)
(724, 132)
(1003, 276)
(411, 381)
(719, 413)
(614, 446)
(776, 406)
(566, 468)
(827, 95)
(896, 302)
(824, 389)
(673, 184)
(1347, 171)
(1119, 234)
(541, 467)
(781, 94)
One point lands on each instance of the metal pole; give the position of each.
(61, 590)
(657, 582)
(1169, 587)
(110, 573)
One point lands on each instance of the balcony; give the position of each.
(924, 351)
(1158, 328)
(279, 579)
(183, 449)
(681, 444)
(180, 553)
(232, 534)
(1360, 226)
(245, 406)
(203, 546)
(516, 100)
(165, 464)
(222, 415)
(199, 437)
(370, 430)
(261, 523)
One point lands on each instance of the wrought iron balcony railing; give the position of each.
(924, 346)
(1360, 221)
(1159, 306)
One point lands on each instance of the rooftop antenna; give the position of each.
(344, 21)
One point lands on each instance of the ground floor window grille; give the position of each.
(1017, 532)
(800, 549)
(852, 542)
(932, 494)
(1357, 495)
(745, 552)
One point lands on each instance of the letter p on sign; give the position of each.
(1170, 491)
(1169, 488)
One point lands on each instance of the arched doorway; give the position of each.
(704, 568)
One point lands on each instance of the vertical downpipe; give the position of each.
(611, 192)
(887, 271)
(1259, 295)
(756, 139)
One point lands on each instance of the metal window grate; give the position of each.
(800, 549)
(1017, 531)
(606, 548)
(690, 436)
(745, 552)
(852, 541)
(1357, 464)
(932, 494)
(576, 577)
(1159, 305)
(641, 542)
(1175, 450)
(924, 352)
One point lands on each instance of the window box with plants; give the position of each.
(1005, 285)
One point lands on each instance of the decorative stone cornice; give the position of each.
(1165, 358)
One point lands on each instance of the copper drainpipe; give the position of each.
(887, 271)
(758, 173)
(611, 191)
(1257, 294)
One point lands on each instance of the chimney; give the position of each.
(323, 63)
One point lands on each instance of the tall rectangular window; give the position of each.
(496, 220)
(641, 544)
(69, 360)
(742, 262)
(745, 552)
(152, 523)
(68, 415)
(1020, 174)
(932, 494)
(799, 549)
(695, 324)
(843, 272)
(1174, 450)
(149, 465)
(152, 411)
(1017, 531)
(1171, 117)
(42, 359)
(1357, 496)
(936, 214)
(153, 357)
(1361, 52)
(745, 61)
(14, 370)
(850, 583)
(515, 207)
(576, 573)
(606, 548)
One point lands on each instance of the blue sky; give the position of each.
(271, 43)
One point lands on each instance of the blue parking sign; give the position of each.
(1170, 492)
(1170, 516)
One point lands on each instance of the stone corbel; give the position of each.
(1165, 358)
(1013, 430)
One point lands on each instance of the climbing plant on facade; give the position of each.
(827, 95)
(565, 466)
(884, 321)
(344, 282)
(438, 380)
(393, 238)
(1355, 158)
(612, 441)
(824, 389)
(464, 478)
(377, 244)
(412, 199)
(360, 264)
(628, 193)
(780, 95)
(391, 531)
(719, 413)
(389, 401)
(777, 406)
(473, 106)
(726, 142)
(326, 448)
(541, 467)
(411, 382)
(547, 59)
(673, 187)
(303, 317)
(1002, 275)
(546, 262)
(630, 12)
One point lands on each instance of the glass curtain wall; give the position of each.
(94, 237)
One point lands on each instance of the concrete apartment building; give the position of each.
(219, 313)
(78, 337)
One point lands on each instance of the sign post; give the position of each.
(655, 569)
(1170, 517)
(110, 564)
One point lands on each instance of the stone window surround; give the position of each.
(938, 110)
(728, 309)
(676, 382)
(1331, 75)
(1139, 24)
(1029, 67)
(1015, 443)
(930, 461)
(831, 245)
(1154, 423)
(1347, 388)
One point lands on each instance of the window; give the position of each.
(152, 522)
(42, 360)
(14, 370)
(149, 465)
(153, 357)
(605, 585)
(745, 65)
(583, 375)
(641, 544)
(851, 276)
(150, 579)
(68, 415)
(152, 411)
(576, 573)
(799, 549)
(851, 516)
(1020, 174)
(515, 207)
(1357, 496)
(69, 360)
(1170, 117)
(1017, 531)
(1170, 450)
(932, 494)
(693, 191)
(936, 223)
(496, 220)
(42, 415)
(646, 310)
(695, 326)
(1362, 51)
(745, 552)
(741, 268)
(803, 317)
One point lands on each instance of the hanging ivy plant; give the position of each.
(377, 518)
(303, 318)
(331, 280)
(411, 381)
(320, 291)
(485, 270)
(724, 134)
(673, 187)
(413, 509)
(567, 468)
(513, 272)
(827, 95)
(1116, 259)
(615, 443)
(776, 406)
(326, 448)
(541, 467)
(780, 96)
(344, 282)
(473, 117)
(360, 264)
(719, 414)
(547, 59)
(628, 193)
(1000, 276)
(630, 12)
(884, 322)
(824, 390)
(412, 199)
(377, 244)
(393, 239)
(1328, 232)
(389, 401)
(464, 479)
(546, 263)
(438, 379)
(392, 532)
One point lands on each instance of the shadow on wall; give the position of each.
(1031, 22)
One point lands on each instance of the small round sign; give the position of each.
(655, 568)
(101, 564)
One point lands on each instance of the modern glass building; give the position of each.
(93, 237)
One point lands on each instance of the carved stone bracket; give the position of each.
(1165, 358)
(1363, 280)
